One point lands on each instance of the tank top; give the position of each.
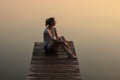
(46, 37)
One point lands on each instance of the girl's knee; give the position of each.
(61, 38)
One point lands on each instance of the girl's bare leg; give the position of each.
(70, 53)
(67, 48)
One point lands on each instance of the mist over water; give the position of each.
(93, 26)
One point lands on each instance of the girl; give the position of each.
(51, 39)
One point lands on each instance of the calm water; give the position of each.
(94, 29)
(98, 51)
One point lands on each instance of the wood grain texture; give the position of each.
(53, 67)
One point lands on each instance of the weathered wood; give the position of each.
(51, 66)
(55, 67)
(53, 78)
(54, 75)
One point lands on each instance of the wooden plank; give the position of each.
(41, 44)
(53, 78)
(62, 56)
(55, 71)
(37, 58)
(54, 62)
(59, 51)
(60, 48)
(54, 75)
(55, 67)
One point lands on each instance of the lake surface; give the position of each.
(93, 26)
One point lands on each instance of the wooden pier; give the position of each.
(51, 66)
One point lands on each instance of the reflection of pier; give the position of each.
(51, 66)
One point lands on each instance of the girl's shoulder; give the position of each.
(45, 30)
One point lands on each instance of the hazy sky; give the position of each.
(92, 14)
(85, 12)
